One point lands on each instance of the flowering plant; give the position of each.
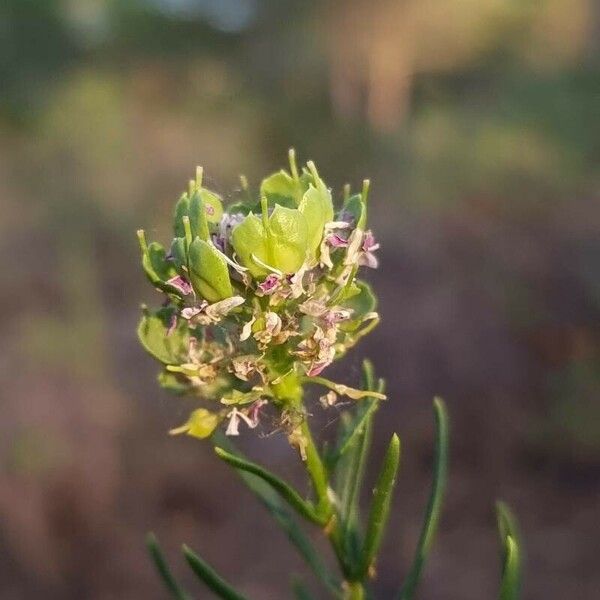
(259, 300)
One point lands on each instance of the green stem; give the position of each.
(289, 391)
(354, 591)
(317, 472)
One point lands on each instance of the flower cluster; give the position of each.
(259, 298)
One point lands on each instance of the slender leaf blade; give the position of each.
(350, 464)
(380, 508)
(163, 569)
(434, 505)
(511, 561)
(272, 501)
(210, 577)
(304, 508)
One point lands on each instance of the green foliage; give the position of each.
(291, 496)
(152, 333)
(212, 580)
(382, 498)
(272, 500)
(258, 306)
(511, 553)
(163, 569)
(434, 506)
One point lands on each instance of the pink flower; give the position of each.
(367, 257)
(254, 412)
(269, 284)
(336, 241)
(181, 284)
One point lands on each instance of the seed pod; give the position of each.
(208, 272)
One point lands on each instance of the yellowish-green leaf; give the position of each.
(168, 348)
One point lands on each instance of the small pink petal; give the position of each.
(369, 243)
(172, 324)
(269, 284)
(254, 412)
(181, 284)
(317, 368)
(368, 259)
(336, 241)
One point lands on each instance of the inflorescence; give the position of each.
(259, 298)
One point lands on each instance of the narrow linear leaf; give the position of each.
(511, 560)
(380, 508)
(349, 464)
(511, 576)
(207, 574)
(357, 426)
(435, 501)
(163, 569)
(272, 501)
(290, 495)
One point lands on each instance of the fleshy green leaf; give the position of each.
(208, 272)
(511, 560)
(163, 569)
(274, 504)
(157, 267)
(361, 304)
(380, 508)
(210, 577)
(434, 505)
(152, 333)
(173, 382)
(303, 507)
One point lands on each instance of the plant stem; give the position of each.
(317, 473)
(290, 390)
(354, 591)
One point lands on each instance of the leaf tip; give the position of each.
(220, 452)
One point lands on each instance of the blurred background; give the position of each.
(477, 121)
